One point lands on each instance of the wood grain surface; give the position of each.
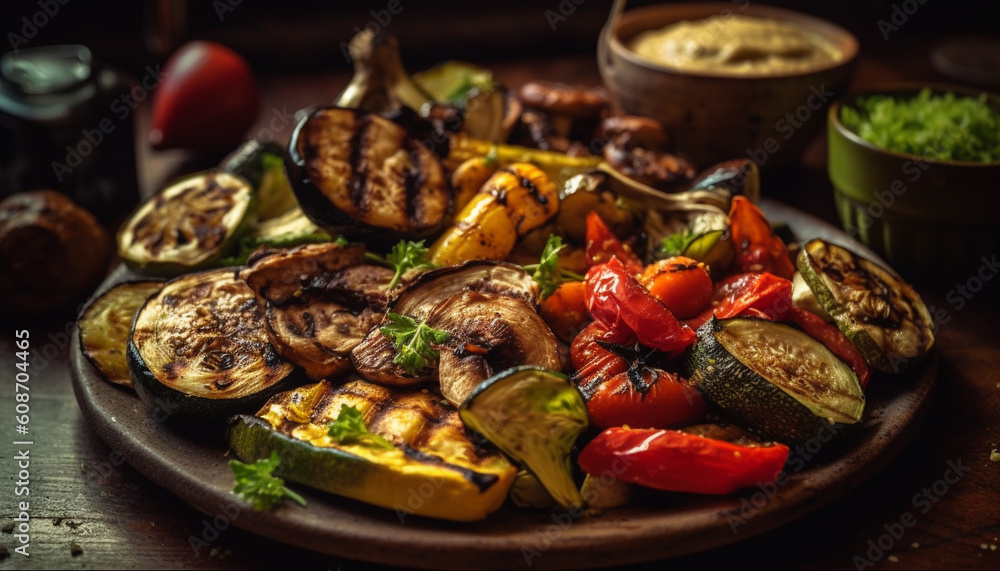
(83, 494)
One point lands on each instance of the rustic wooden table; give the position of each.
(88, 509)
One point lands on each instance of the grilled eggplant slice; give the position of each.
(430, 446)
(533, 415)
(373, 357)
(105, 325)
(883, 315)
(199, 349)
(775, 379)
(489, 333)
(359, 175)
(320, 301)
(189, 224)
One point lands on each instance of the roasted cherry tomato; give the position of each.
(682, 284)
(834, 339)
(623, 385)
(759, 249)
(566, 309)
(207, 100)
(679, 462)
(621, 303)
(602, 245)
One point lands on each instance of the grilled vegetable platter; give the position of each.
(462, 303)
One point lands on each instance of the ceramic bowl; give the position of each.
(934, 221)
(713, 116)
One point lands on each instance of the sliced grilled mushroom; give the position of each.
(373, 356)
(482, 276)
(489, 333)
(321, 301)
(362, 176)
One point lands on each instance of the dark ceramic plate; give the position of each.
(664, 526)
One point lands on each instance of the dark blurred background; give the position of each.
(307, 35)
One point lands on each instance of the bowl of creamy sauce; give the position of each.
(727, 79)
(737, 45)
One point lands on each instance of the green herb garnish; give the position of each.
(675, 244)
(349, 428)
(944, 127)
(547, 273)
(414, 342)
(408, 255)
(255, 484)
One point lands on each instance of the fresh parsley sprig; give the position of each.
(547, 273)
(675, 244)
(255, 484)
(406, 256)
(349, 428)
(414, 341)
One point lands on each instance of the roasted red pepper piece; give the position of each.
(759, 250)
(679, 462)
(834, 339)
(621, 303)
(765, 292)
(602, 245)
(623, 385)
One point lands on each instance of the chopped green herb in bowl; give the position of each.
(945, 126)
(914, 170)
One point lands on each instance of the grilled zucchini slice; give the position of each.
(188, 225)
(775, 379)
(105, 325)
(199, 348)
(434, 468)
(362, 176)
(881, 314)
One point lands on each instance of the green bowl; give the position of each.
(933, 221)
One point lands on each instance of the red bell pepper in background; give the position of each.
(602, 245)
(834, 339)
(679, 462)
(759, 250)
(621, 303)
(621, 388)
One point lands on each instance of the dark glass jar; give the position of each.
(61, 127)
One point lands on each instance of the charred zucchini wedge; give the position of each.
(199, 348)
(881, 314)
(188, 225)
(431, 468)
(362, 176)
(534, 415)
(263, 165)
(775, 379)
(105, 325)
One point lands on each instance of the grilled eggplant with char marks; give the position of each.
(373, 357)
(320, 301)
(489, 333)
(362, 176)
(198, 348)
(105, 325)
(881, 314)
(417, 440)
(188, 225)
